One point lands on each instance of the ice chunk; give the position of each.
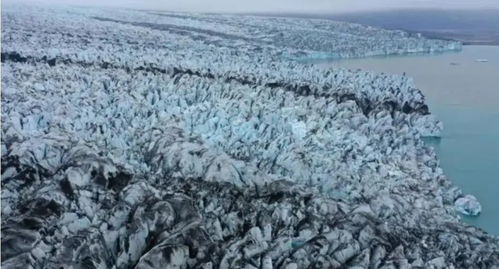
(299, 129)
(468, 205)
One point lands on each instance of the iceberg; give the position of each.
(468, 205)
(482, 60)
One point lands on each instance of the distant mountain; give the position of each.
(468, 26)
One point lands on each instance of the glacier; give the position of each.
(141, 139)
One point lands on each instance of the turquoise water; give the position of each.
(464, 94)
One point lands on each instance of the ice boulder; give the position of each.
(468, 205)
(299, 129)
(428, 126)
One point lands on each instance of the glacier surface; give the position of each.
(140, 139)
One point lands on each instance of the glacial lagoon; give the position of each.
(462, 90)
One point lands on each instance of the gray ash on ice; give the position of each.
(188, 149)
(93, 213)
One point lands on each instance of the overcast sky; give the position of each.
(322, 6)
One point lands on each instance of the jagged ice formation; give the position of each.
(137, 139)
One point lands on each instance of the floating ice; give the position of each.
(468, 205)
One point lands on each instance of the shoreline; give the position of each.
(452, 98)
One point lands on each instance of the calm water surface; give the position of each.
(464, 94)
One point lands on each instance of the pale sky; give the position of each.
(305, 6)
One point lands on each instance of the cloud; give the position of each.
(309, 6)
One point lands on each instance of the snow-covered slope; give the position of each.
(147, 140)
